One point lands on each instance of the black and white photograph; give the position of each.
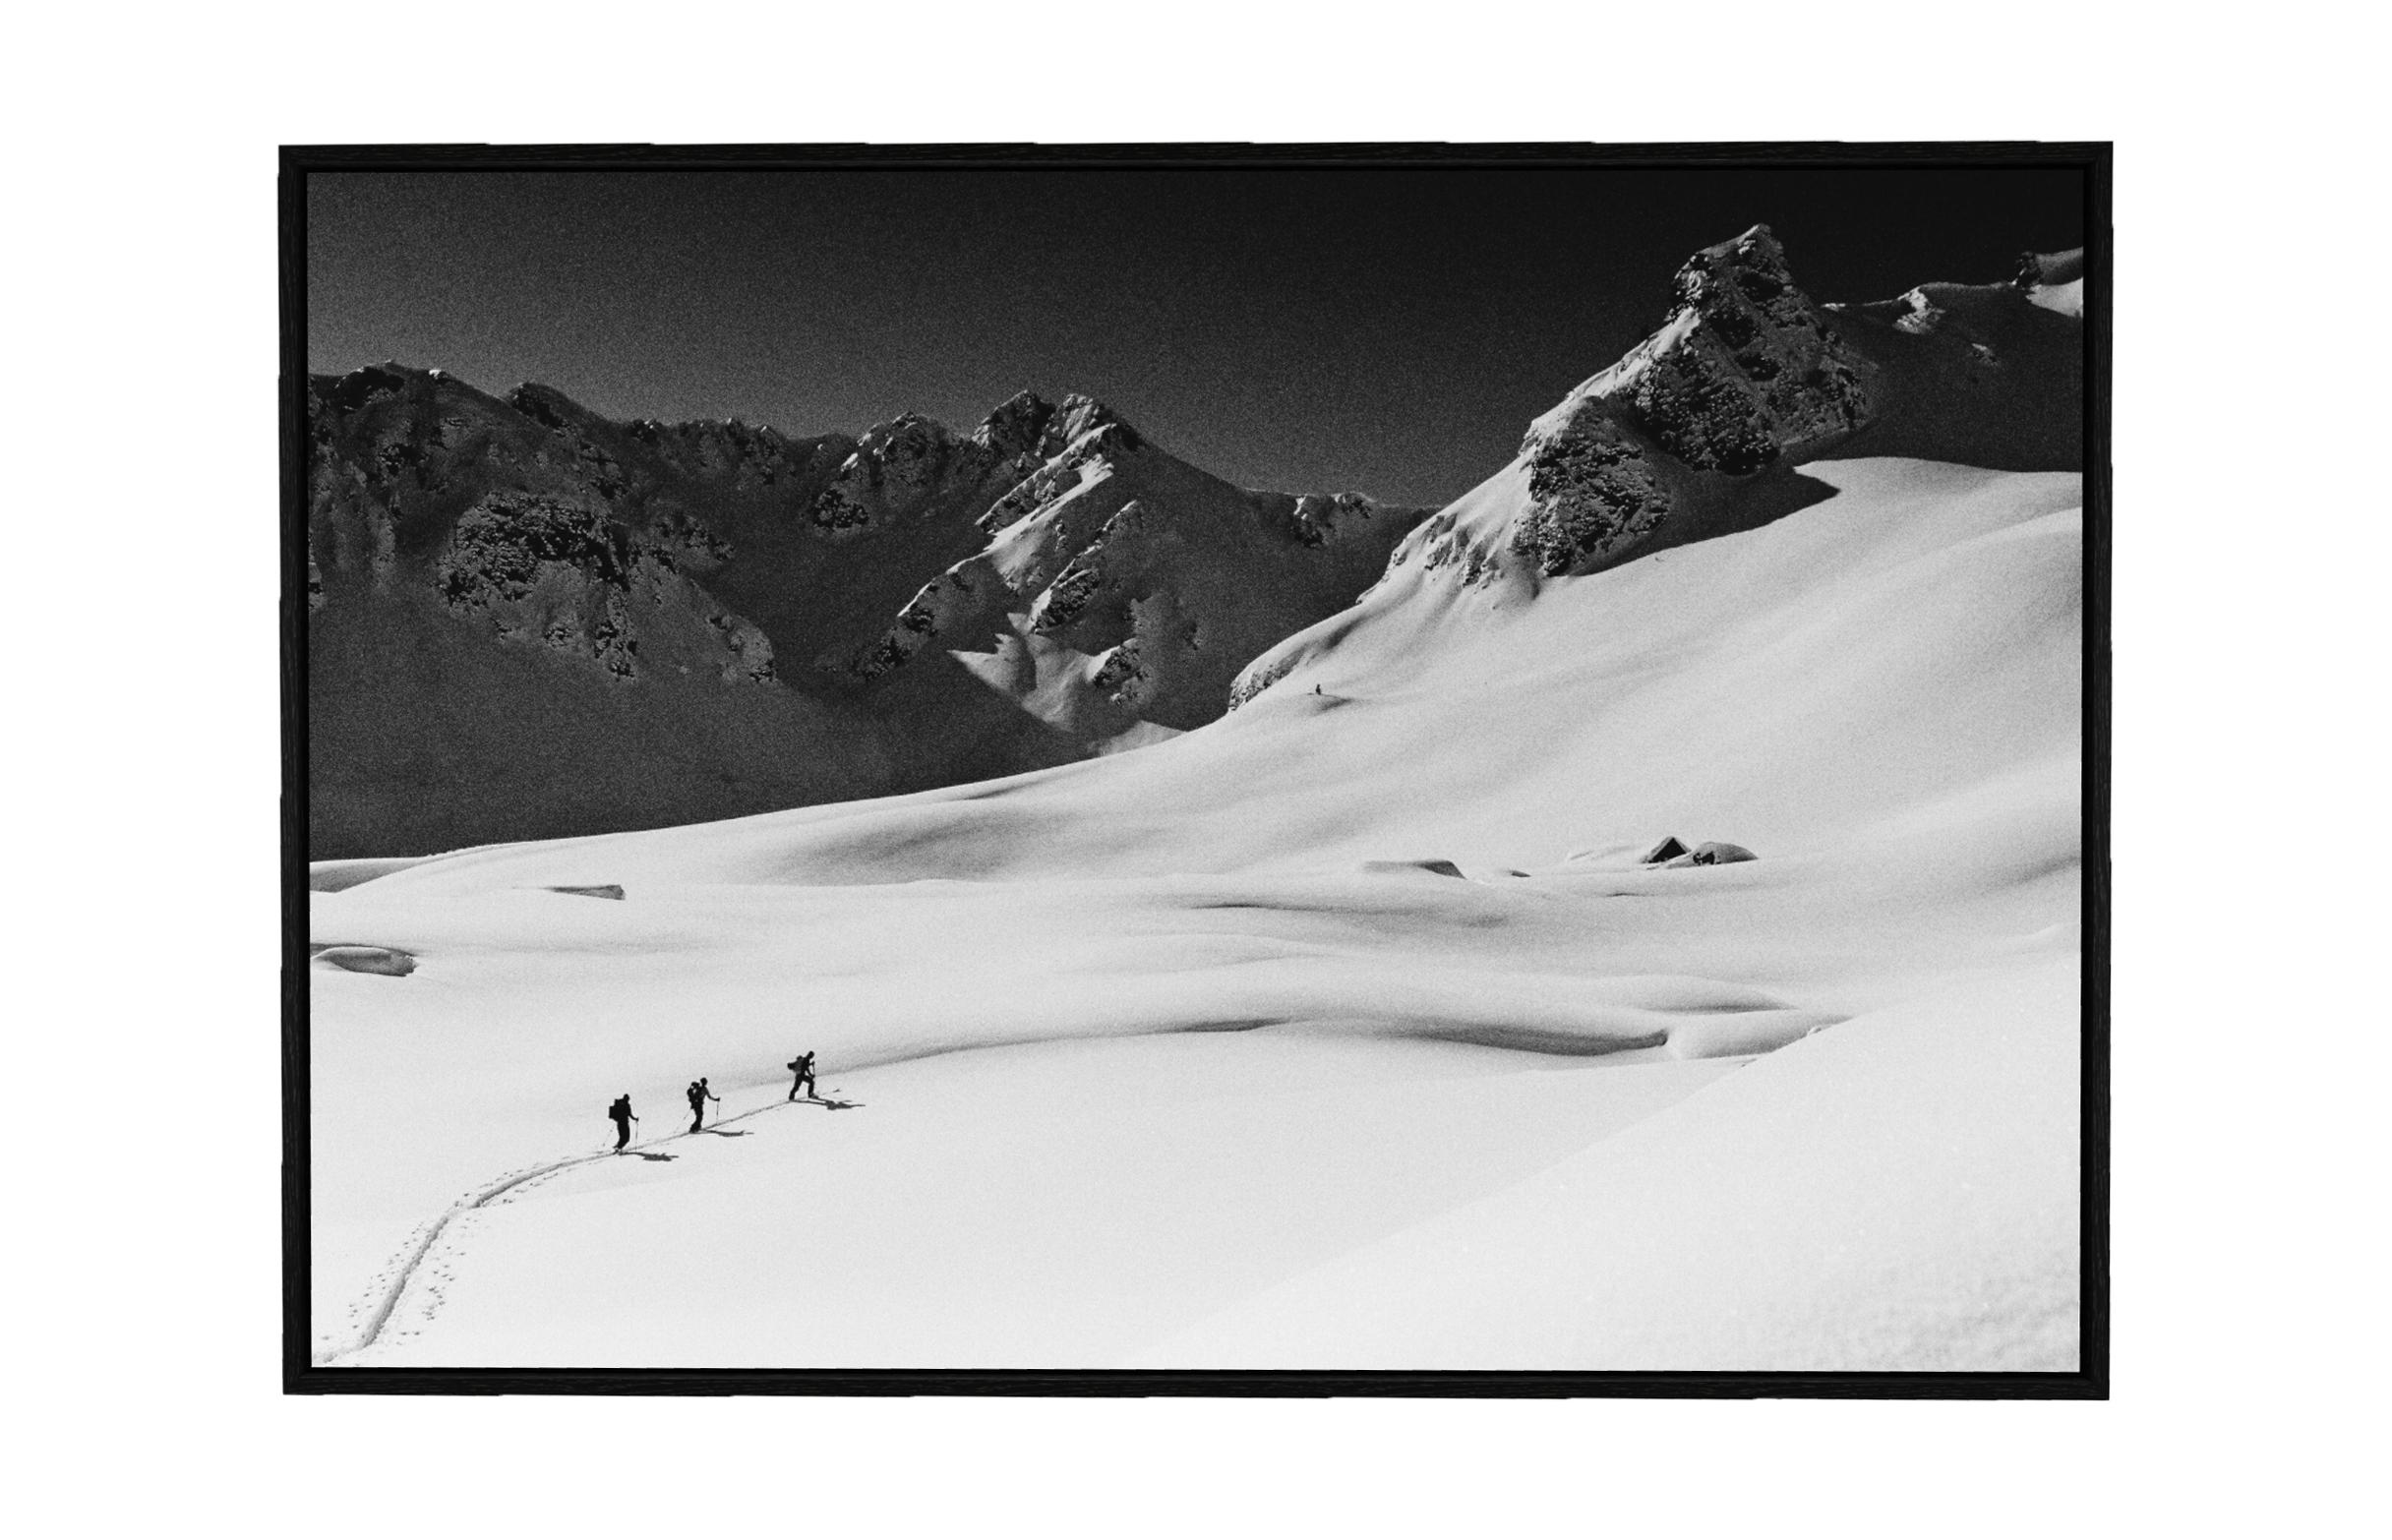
(1358, 769)
(1267, 770)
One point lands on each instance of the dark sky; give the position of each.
(1390, 331)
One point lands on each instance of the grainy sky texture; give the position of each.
(1390, 331)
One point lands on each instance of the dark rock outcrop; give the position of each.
(1699, 430)
(1746, 373)
(1749, 377)
(2049, 270)
(1712, 852)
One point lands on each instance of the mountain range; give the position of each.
(527, 621)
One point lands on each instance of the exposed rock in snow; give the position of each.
(2056, 280)
(1988, 375)
(385, 960)
(1025, 432)
(967, 592)
(1122, 586)
(1712, 853)
(1698, 430)
(679, 558)
(1746, 372)
(465, 549)
(1878, 678)
(1595, 489)
(546, 571)
(1052, 584)
(897, 469)
(1338, 1118)
(1748, 369)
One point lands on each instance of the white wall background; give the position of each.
(141, 356)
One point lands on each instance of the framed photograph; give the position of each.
(1210, 770)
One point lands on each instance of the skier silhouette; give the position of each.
(623, 1118)
(803, 1067)
(700, 1096)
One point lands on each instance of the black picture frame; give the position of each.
(2091, 1381)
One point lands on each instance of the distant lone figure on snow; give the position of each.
(623, 1118)
(802, 1066)
(700, 1096)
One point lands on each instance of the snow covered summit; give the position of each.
(1122, 588)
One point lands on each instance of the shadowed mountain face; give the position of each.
(1749, 377)
(526, 620)
(1123, 589)
(1699, 430)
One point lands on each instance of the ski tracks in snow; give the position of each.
(370, 1316)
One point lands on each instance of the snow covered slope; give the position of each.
(1877, 694)
(1349, 1029)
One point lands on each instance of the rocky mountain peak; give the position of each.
(358, 387)
(1079, 415)
(1015, 426)
(1753, 265)
(1030, 428)
(907, 433)
(1748, 369)
(550, 407)
(1747, 373)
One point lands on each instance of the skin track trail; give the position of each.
(386, 1303)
